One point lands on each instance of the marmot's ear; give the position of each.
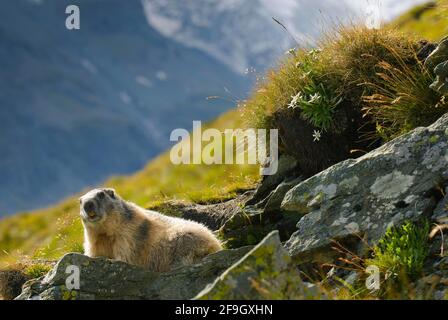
(110, 192)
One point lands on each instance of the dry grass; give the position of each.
(403, 100)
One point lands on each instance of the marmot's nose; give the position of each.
(89, 208)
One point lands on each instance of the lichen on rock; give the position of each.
(102, 278)
(266, 272)
(395, 184)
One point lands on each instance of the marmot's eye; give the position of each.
(101, 195)
(111, 193)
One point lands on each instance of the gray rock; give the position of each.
(434, 283)
(266, 272)
(365, 196)
(433, 286)
(441, 295)
(438, 61)
(214, 216)
(352, 278)
(11, 282)
(187, 282)
(439, 55)
(441, 83)
(102, 278)
(274, 201)
(99, 279)
(440, 214)
(251, 223)
(286, 167)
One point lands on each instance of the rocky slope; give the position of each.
(353, 202)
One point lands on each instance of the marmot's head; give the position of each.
(101, 207)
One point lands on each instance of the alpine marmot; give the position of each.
(117, 229)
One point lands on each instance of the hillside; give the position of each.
(427, 21)
(57, 229)
(374, 80)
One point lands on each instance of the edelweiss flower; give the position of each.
(314, 98)
(295, 100)
(317, 135)
(314, 53)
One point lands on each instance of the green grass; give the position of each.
(427, 21)
(403, 100)
(37, 270)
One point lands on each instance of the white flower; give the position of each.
(291, 51)
(314, 53)
(317, 135)
(314, 98)
(295, 100)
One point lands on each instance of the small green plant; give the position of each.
(399, 255)
(402, 249)
(37, 270)
(77, 247)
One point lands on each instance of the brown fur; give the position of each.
(142, 237)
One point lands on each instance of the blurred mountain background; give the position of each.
(80, 106)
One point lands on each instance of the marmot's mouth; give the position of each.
(91, 216)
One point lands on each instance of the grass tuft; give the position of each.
(376, 72)
(37, 270)
(403, 100)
